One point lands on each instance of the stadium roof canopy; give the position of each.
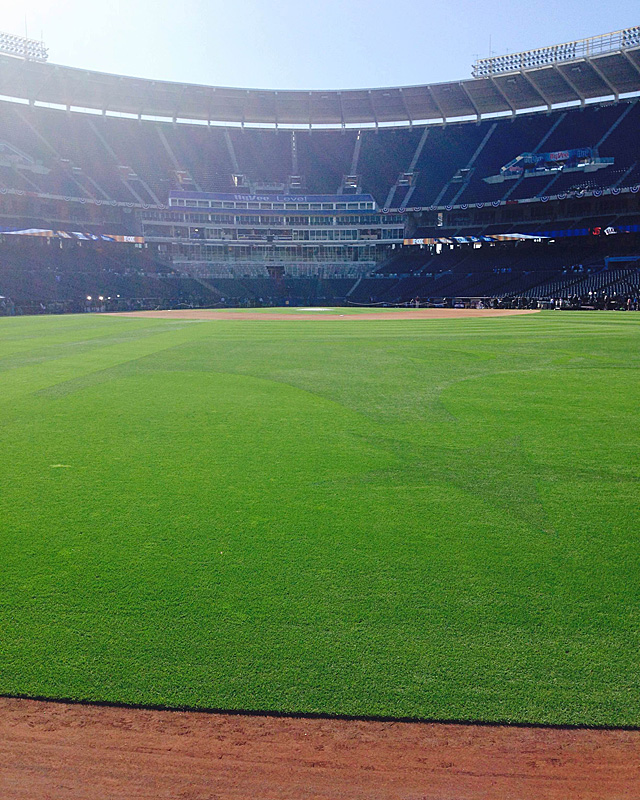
(601, 76)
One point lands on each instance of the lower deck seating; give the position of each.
(38, 276)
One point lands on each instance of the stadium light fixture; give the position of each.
(21, 47)
(569, 51)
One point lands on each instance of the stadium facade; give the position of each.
(522, 181)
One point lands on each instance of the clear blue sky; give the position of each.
(292, 44)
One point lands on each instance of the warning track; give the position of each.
(78, 752)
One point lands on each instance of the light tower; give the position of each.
(21, 47)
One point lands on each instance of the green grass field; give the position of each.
(435, 519)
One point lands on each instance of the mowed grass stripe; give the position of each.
(432, 519)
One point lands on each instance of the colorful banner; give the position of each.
(598, 230)
(498, 237)
(80, 235)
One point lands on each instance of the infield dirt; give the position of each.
(53, 751)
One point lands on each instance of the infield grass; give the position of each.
(435, 519)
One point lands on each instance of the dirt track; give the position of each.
(51, 751)
(410, 313)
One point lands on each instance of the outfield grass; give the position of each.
(431, 518)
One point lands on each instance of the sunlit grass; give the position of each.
(433, 519)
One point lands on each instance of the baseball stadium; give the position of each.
(320, 433)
